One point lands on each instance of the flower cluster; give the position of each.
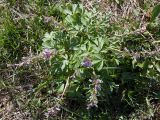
(93, 101)
(87, 62)
(47, 53)
(97, 84)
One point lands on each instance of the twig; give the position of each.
(65, 88)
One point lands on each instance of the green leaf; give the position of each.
(95, 61)
(68, 12)
(96, 42)
(140, 65)
(112, 68)
(64, 63)
(117, 61)
(74, 7)
(69, 19)
(100, 66)
(157, 67)
(83, 20)
(157, 58)
(117, 1)
(61, 88)
(48, 44)
(98, 56)
(155, 12)
(101, 42)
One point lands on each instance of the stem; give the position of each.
(66, 86)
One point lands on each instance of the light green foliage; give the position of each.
(155, 12)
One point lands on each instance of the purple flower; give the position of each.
(97, 87)
(93, 101)
(87, 62)
(47, 53)
(97, 84)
